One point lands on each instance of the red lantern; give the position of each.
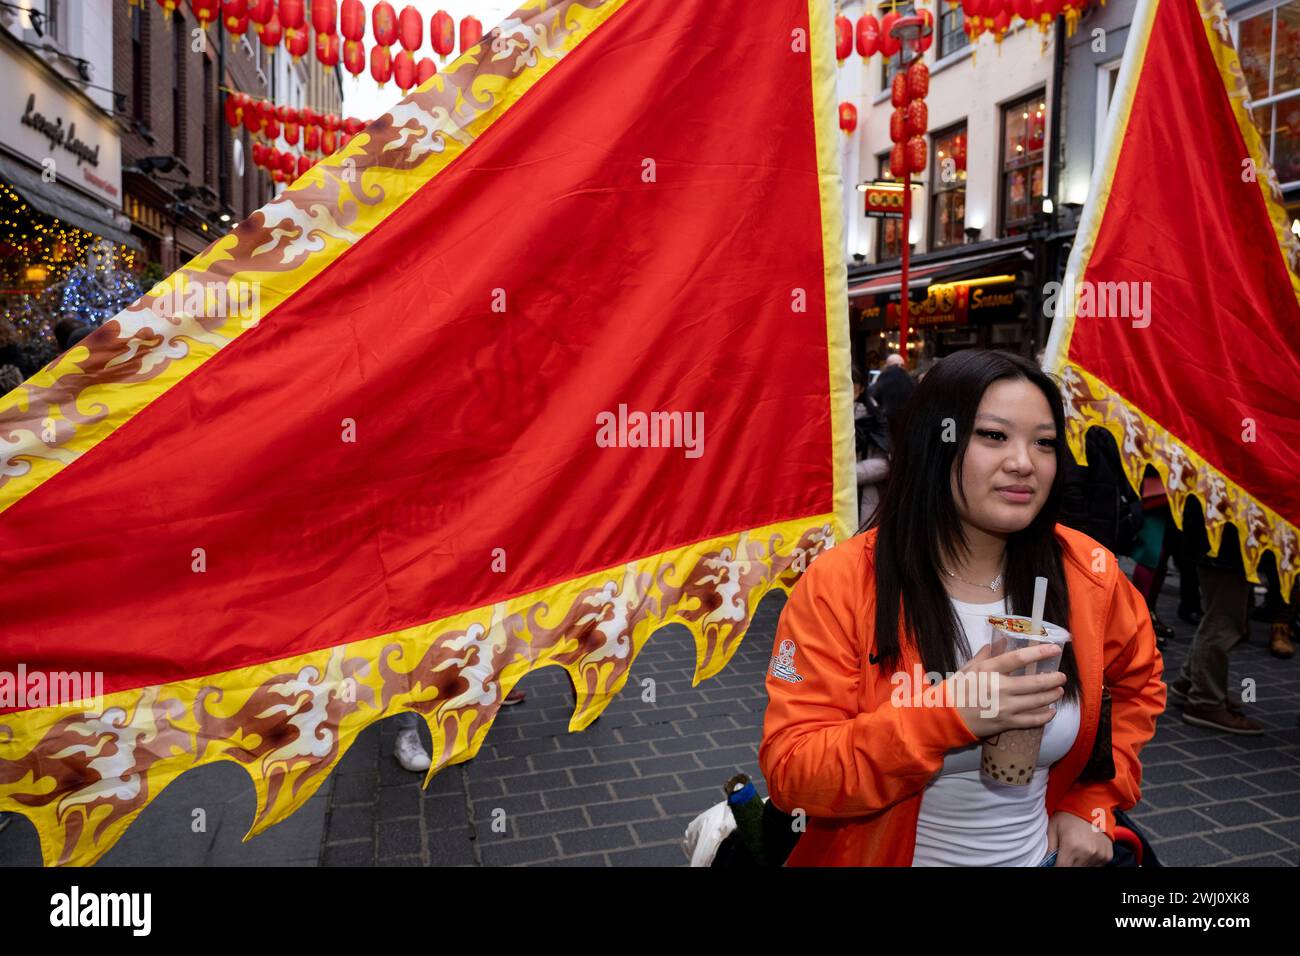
(236, 26)
(926, 40)
(918, 118)
(324, 16)
(352, 20)
(916, 154)
(898, 125)
(304, 164)
(404, 70)
(327, 142)
(868, 36)
(410, 29)
(383, 23)
(271, 158)
(288, 163)
(898, 161)
(1002, 23)
(442, 33)
(327, 50)
(330, 122)
(291, 18)
(471, 31)
(272, 33)
(266, 111)
(278, 176)
(291, 133)
(1036, 126)
(307, 116)
(843, 38)
(918, 81)
(205, 11)
(848, 117)
(234, 109)
(271, 128)
(424, 70)
(959, 152)
(260, 12)
(252, 116)
(381, 65)
(898, 94)
(233, 9)
(311, 138)
(889, 44)
(297, 44)
(354, 56)
(353, 126)
(1023, 9)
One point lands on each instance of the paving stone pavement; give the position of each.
(622, 792)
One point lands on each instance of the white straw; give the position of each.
(1040, 602)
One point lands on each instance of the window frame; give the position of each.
(1107, 82)
(1273, 97)
(1005, 168)
(945, 11)
(883, 173)
(937, 189)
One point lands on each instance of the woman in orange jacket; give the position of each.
(885, 768)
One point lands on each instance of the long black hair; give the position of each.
(918, 523)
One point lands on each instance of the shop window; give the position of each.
(1268, 43)
(1024, 125)
(948, 187)
(889, 232)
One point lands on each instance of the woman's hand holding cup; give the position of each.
(1017, 702)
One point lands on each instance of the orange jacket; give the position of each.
(835, 747)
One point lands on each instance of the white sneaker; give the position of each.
(410, 752)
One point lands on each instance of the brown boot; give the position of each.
(1279, 640)
(1221, 718)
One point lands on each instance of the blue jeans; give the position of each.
(1049, 860)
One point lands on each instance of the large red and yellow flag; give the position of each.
(1178, 324)
(552, 355)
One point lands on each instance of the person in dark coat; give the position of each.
(892, 390)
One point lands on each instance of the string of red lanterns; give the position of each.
(321, 133)
(339, 30)
(871, 34)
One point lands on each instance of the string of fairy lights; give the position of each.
(50, 270)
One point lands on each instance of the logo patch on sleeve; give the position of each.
(783, 664)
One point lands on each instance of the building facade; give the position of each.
(1025, 118)
(66, 246)
(978, 233)
(187, 176)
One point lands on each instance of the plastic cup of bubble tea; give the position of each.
(1010, 757)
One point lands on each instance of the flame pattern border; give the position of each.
(82, 775)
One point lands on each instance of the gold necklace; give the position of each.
(992, 585)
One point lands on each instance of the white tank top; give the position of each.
(968, 821)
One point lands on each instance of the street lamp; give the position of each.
(908, 31)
